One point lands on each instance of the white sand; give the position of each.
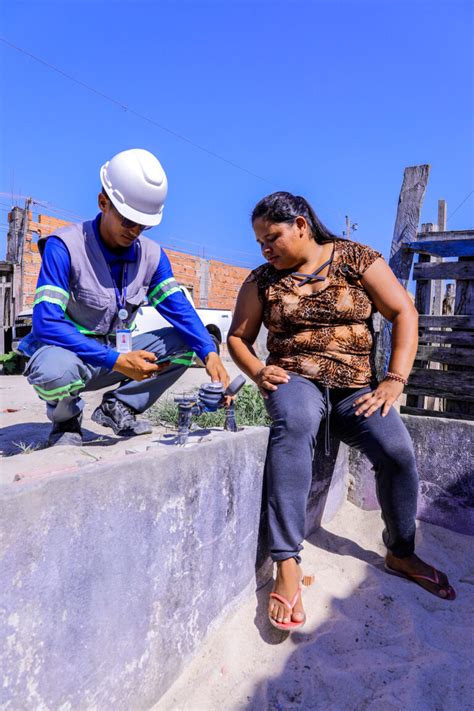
(372, 641)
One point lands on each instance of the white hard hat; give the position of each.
(137, 186)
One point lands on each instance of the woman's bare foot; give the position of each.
(288, 580)
(414, 566)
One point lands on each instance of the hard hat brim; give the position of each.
(141, 218)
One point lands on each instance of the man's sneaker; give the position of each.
(66, 433)
(121, 418)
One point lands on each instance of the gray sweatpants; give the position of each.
(297, 409)
(59, 375)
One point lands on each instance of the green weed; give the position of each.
(249, 411)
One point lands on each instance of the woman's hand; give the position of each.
(269, 377)
(387, 392)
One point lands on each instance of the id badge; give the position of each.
(123, 342)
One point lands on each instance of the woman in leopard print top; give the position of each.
(324, 334)
(316, 295)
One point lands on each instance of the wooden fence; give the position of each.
(6, 301)
(442, 381)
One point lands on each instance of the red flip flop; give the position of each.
(306, 580)
(451, 592)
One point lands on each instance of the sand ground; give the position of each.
(372, 641)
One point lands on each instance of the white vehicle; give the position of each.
(216, 321)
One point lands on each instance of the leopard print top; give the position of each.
(327, 335)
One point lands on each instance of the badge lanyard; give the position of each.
(123, 335)
(121, 297)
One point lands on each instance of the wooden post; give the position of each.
(442, 215)
(436, 306)
(423, 303)
(463, 306)
(3, 321)
(415, 180)
(438, 284)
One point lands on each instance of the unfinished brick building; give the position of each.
(212, 283)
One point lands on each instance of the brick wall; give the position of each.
(224, 284)
(213, 283)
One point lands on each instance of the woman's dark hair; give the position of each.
(285, 207)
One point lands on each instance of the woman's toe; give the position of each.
(298, 616)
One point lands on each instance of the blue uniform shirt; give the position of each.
(50, 327)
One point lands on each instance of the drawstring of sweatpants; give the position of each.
(327, 433)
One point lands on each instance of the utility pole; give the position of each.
(21, 247)
(349, 227)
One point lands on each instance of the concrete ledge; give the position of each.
(113, 574)
(445, 456)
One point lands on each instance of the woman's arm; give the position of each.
(243, 331)
(394, 303)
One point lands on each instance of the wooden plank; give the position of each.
(445, 270)
(434, 413)
(438, 391)
(464, 305)
(415, 180)
(442, 383)
(450, 234)
(457, 356)
(3, 298)
(423, 288)
(464, 322)
(438, 284)
(459, 338)
(423, 298)
(444, 248)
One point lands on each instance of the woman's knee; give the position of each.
(398, 456)
(299, 424)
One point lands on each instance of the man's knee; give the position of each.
(56, 373)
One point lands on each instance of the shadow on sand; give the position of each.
(387, 645)
(32, 436)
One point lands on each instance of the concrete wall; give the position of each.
(112, 575)
(445, 457)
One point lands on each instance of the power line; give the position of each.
(460, 205)
(124, 107)
(143, 117)
(42, 203)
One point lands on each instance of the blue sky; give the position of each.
(327, 99)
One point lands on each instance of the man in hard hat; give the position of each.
(94, 276)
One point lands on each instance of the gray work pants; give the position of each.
(59, 375)
(297, 409)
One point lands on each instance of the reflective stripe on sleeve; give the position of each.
(163, 290)
(51, 294)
